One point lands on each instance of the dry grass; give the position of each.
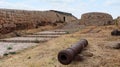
(45, 55)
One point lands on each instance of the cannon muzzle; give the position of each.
(67, 56)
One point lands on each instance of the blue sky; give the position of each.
(76, 7)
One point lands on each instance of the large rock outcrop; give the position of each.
(11, 20)
(96, 18)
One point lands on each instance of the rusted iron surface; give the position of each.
(115, 33)
(67, 56)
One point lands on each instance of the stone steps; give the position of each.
(50, 33)
(25, 40)
(60, 30)
(42, 36)
(20, 43)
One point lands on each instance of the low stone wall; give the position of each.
(11, 20)
(96, 18)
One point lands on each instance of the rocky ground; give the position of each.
(101, 51)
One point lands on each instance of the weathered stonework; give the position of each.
(118, 20)
(96, 18)
(11, 20)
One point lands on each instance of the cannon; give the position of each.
(65, 57)
(115, 33)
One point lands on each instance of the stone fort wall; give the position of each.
(11, 20)
(96, 18)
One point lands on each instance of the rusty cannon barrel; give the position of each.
(115, 33)
(67, 56)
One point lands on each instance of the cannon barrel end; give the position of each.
(66, 56)
(85, 42)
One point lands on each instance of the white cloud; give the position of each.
(10, 5)
(112, 2)
(66, 1)
(92, 0)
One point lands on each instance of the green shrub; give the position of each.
(12, 52)
(36, 41)
(5, 54)
(9, 48)
(67, 32)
